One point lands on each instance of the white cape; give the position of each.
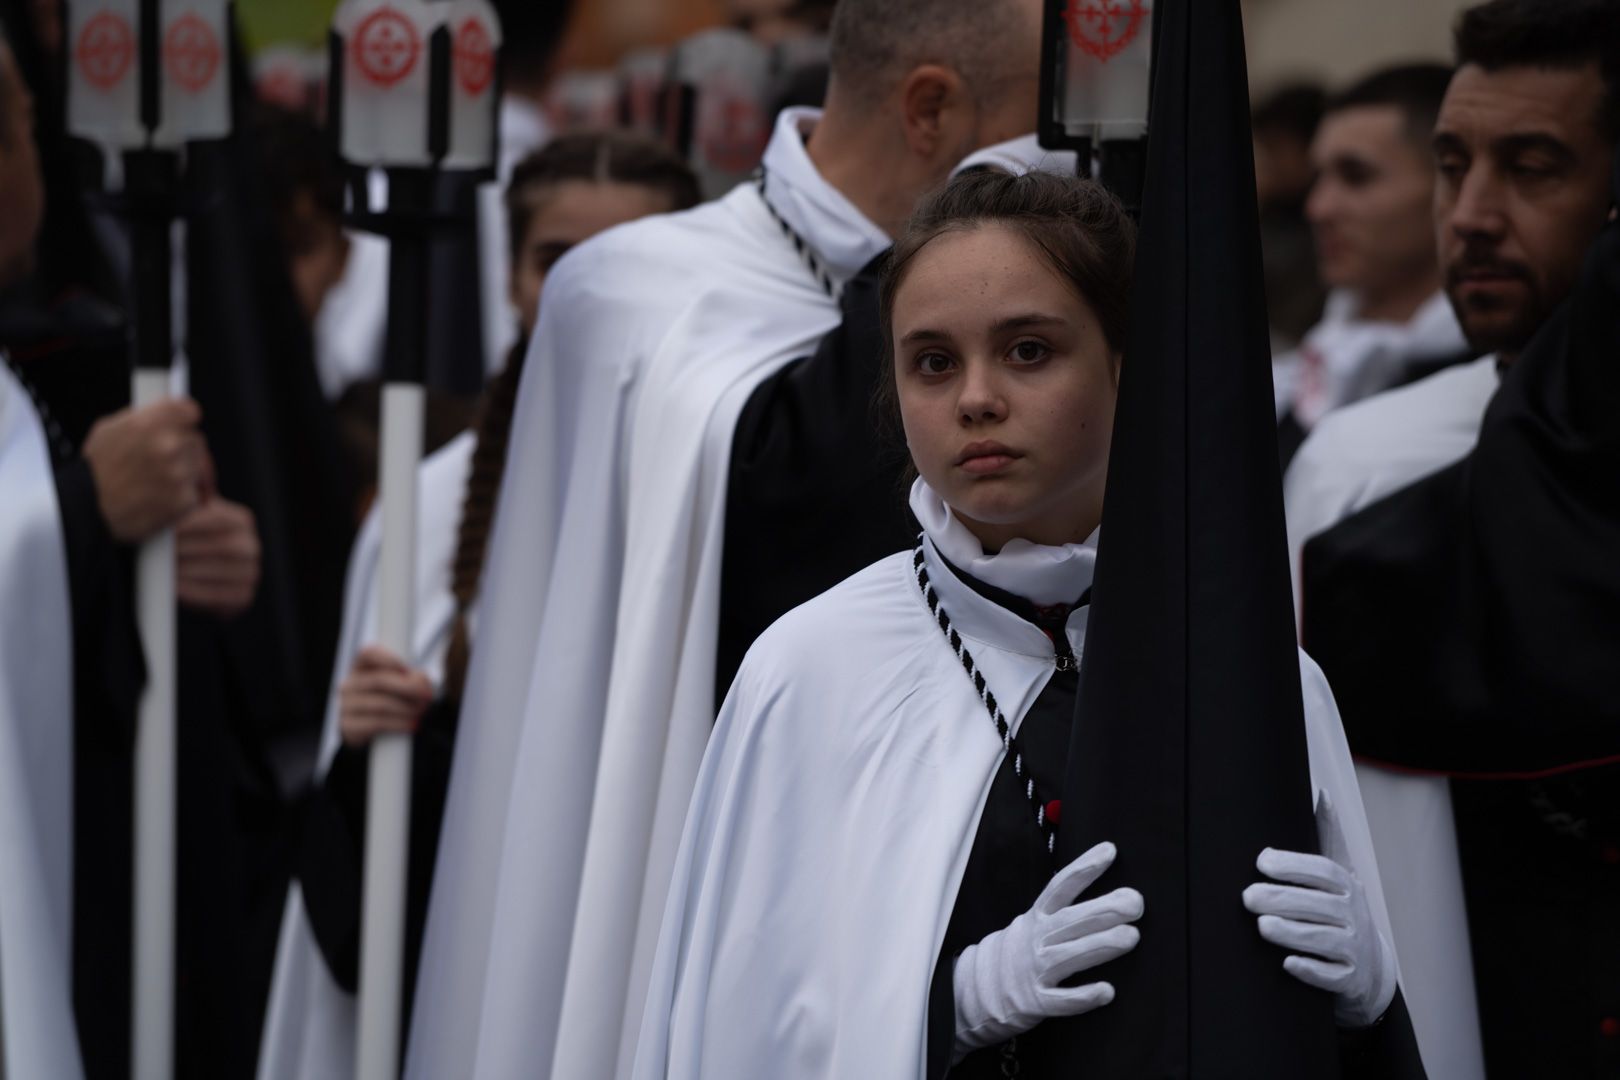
(309, 1028)
(37, 1032)
(1345, 358)
(831, 823)
(1353, 458)
(590, 694)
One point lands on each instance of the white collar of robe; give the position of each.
(1040, 574)
(844, 239)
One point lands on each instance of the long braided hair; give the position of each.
(605, 157)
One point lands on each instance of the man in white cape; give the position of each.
(591, 695)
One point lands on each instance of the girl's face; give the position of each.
(572, 212)
(1006, 387)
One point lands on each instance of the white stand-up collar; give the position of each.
(1040, 574)
(844, 239)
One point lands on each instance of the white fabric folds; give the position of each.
(590, 695)
(37, 1033)
(1039, 573)
(831, 823)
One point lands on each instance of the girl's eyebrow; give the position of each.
(1020, 322)
(1000, 326)
(925, 335)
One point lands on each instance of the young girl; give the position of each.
(865, 886)
(560, 196)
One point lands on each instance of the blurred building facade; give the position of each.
(1334, 41)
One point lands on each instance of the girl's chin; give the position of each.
(1002, 513)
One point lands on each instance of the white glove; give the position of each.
(1323, 912)
(1008, 983)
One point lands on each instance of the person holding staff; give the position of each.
(575, 187)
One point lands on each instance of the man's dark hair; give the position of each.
(1291, 111)
(874, 43)
(1557, 34)
(607, 157)
(1415, 89)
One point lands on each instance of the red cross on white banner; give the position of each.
(1102, 28)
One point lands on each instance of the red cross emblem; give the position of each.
(734, 137)
(386, 46)
(191, 52)
(105, 49)
(474, 56)
(1102, 28)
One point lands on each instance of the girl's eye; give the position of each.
(1029, 352)
(933, 364)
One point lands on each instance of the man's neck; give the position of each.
(1399, 303)
(858, 166)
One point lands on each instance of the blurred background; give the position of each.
(1326, 40)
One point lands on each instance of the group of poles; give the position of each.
(413, 91)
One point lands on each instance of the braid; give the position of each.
(484, 475)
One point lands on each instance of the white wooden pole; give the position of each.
(155, 787)
(389, 799)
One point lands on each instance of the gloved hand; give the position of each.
(1323, 912)
(1008, 983)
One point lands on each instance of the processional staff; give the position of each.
(413, 90)
(146, 77)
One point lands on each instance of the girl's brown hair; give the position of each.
(1076, 226)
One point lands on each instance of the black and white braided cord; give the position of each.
(61, 449)
(829, 284)
(1014, 752)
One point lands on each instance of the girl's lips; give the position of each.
(985, 464)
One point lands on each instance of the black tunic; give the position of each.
(331, 866)
(1008, 865)
(815, 486)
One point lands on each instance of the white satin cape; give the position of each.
(1354, 457)
(590, 695)
(309, 1027)
(37, 1032)
(832, 819)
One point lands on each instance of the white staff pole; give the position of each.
(148, 76)
(413, 89)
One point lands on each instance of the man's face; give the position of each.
(1370, 205)
(22, 190)
(1522, 189)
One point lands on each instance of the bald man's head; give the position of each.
(994, 45)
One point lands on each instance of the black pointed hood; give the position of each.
(1189, 746)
